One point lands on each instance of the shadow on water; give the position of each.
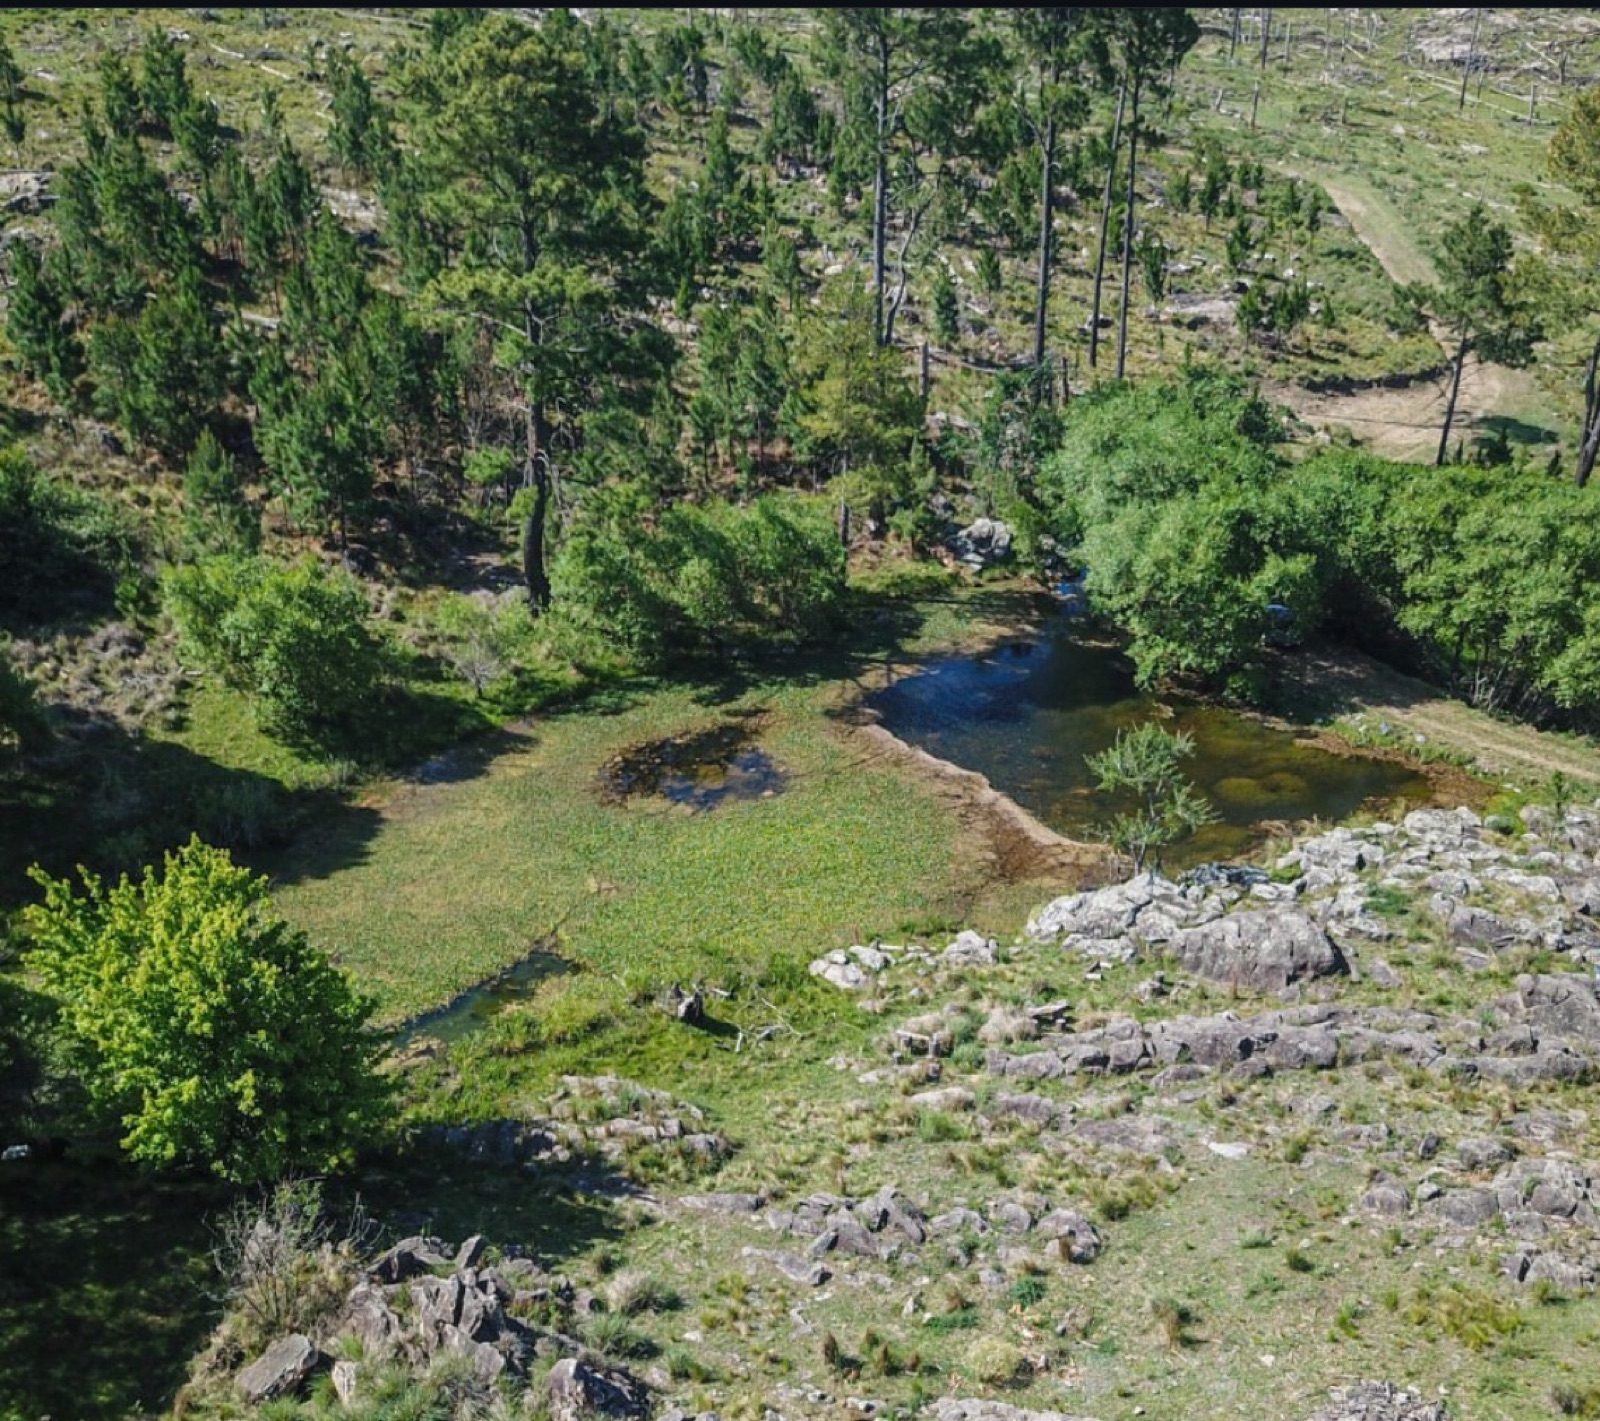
(1027, 713)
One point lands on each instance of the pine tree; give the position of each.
(49, 350)
(217, 516)
(547, 201)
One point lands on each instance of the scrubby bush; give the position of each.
(292, 637)
(59, 546)
(699, 579)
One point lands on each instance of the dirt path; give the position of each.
(1351, 684)
(1404, 422)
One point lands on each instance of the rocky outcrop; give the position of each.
(1262, 951)
(1378, 1401)
(982, 543)
(579, 1389)
(971, 1408)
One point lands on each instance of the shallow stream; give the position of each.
(1025, 714)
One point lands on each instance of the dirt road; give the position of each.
(1351, 684)
(1404, 422)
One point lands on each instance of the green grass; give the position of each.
(457, 881)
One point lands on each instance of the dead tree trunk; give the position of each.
(1105, 226)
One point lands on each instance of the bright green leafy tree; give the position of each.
(215, 1033)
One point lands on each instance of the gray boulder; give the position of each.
(982, 543)
(578, 1389)
(281, 1370)
(411, 1258)
(1261, 950)
(1073, 1239)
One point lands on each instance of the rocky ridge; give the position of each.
(1438, 955)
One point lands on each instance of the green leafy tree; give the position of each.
(699, 579)
(1477, 300)
(1144, 765)
(209, 1028)
(293, 638)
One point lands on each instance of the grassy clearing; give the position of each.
(425, 889)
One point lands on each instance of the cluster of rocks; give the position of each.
(421, 1301)
(602, 1117)
(857, 968)
(1545, 1204)
(1548, 1028)
(1314, 915)
(982, 543)
(1361, 1401)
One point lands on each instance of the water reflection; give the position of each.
(1026, 714)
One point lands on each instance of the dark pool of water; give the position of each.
(701, 770)
(1026, 714)
(476, 1005)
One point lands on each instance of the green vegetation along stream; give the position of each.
(1026, 714)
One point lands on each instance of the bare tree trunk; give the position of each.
(880, 197)
(1233, 39)
(1047, 193)
(1266, 35)
(1472, 54)
(1450, 405)
(1590, 448)
(1127, 231)
(1105, 226)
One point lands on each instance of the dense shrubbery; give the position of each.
(701, 578)
(1195, 532)
(292, 637)
(60, 548)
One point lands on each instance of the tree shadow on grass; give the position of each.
(1498, 428)
(552, 1213)
(105, 1289)
(112, 800)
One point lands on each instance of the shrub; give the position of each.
(212, 1030)
(995, 1362)
(293, 638)
(58, 545)
(703, 578)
